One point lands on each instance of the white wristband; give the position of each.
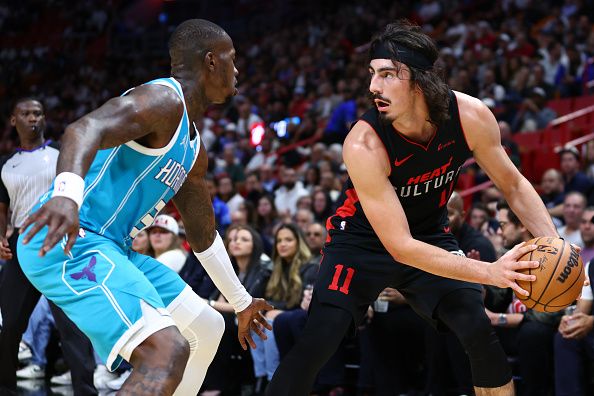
(69, 185)
(217, 264)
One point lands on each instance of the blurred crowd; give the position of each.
(306, 78)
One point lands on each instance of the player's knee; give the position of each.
(217, 325)
(166, 349)
(474, 332)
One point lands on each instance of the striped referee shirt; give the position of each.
(24, 176)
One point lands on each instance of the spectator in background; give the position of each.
(575, 179)
(574, 345)
(228, 370)
(266, 221)
(469, 239)
(290, 274)
(508, 143)
(535, 330)
(142, 245)
(232, 166)
(303, 218)
(264, 156)
(315, 236)
(267, 178)
(221, 211)
(291, 189)
(533, 113)
(587, 234)
(227, 193)
(322, 206)
(573, 209)
(165, 241)
(552, 189)
(341, 119)
(247, 116)
(478, 216)
(253, 189)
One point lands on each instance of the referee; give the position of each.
(25, 175)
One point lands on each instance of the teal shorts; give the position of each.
(105, 289)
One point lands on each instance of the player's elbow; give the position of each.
(404, 250)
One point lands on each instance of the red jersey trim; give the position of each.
(415, 143)
(347, 209)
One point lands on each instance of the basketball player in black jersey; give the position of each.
(403, 158)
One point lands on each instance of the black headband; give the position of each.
(403, 54)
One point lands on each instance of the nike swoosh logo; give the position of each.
(402, 161)
(14, 166)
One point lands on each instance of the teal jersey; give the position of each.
(128, 185)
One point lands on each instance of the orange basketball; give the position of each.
(559, 279)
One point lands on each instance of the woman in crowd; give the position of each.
(266, 219)
(290, 274)
(244, 246)
(165, 241)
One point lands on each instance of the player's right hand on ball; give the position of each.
(503, 272)
(60, 214)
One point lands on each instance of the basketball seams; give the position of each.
(566, 290)
(552, 273)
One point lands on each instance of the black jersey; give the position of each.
(423, 177)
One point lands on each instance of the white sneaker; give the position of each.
(62, 379)
(24, 352)
(31, 371)
(31, 385)
(117, 383)
(102, 376)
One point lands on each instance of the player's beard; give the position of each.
(386, 119)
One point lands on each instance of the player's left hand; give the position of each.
(251, 318)
(60, 214)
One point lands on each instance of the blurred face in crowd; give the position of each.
(552, 182)
(28, 119)
(252, 183)
(264, 206)
(242, 244)
(319, 202)
(239, 217)
(327, 180)
(289, 178)
(569, 164)
(391, 88)
(573, 208)
(304, 202)
(315, 237)
(286, 244)
(303, 218)
(478, 217)
(587, 228)
(510, 233)
(225, 186)
(161, 239)
(140, 243)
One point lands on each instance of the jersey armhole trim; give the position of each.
(162, 150)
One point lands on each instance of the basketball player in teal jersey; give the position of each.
(118, 167)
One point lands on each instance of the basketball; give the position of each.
(559, 278)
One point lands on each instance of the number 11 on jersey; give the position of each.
(347, 281)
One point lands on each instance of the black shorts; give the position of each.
(352, 277)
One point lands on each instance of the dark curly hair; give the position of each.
(431, 82)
